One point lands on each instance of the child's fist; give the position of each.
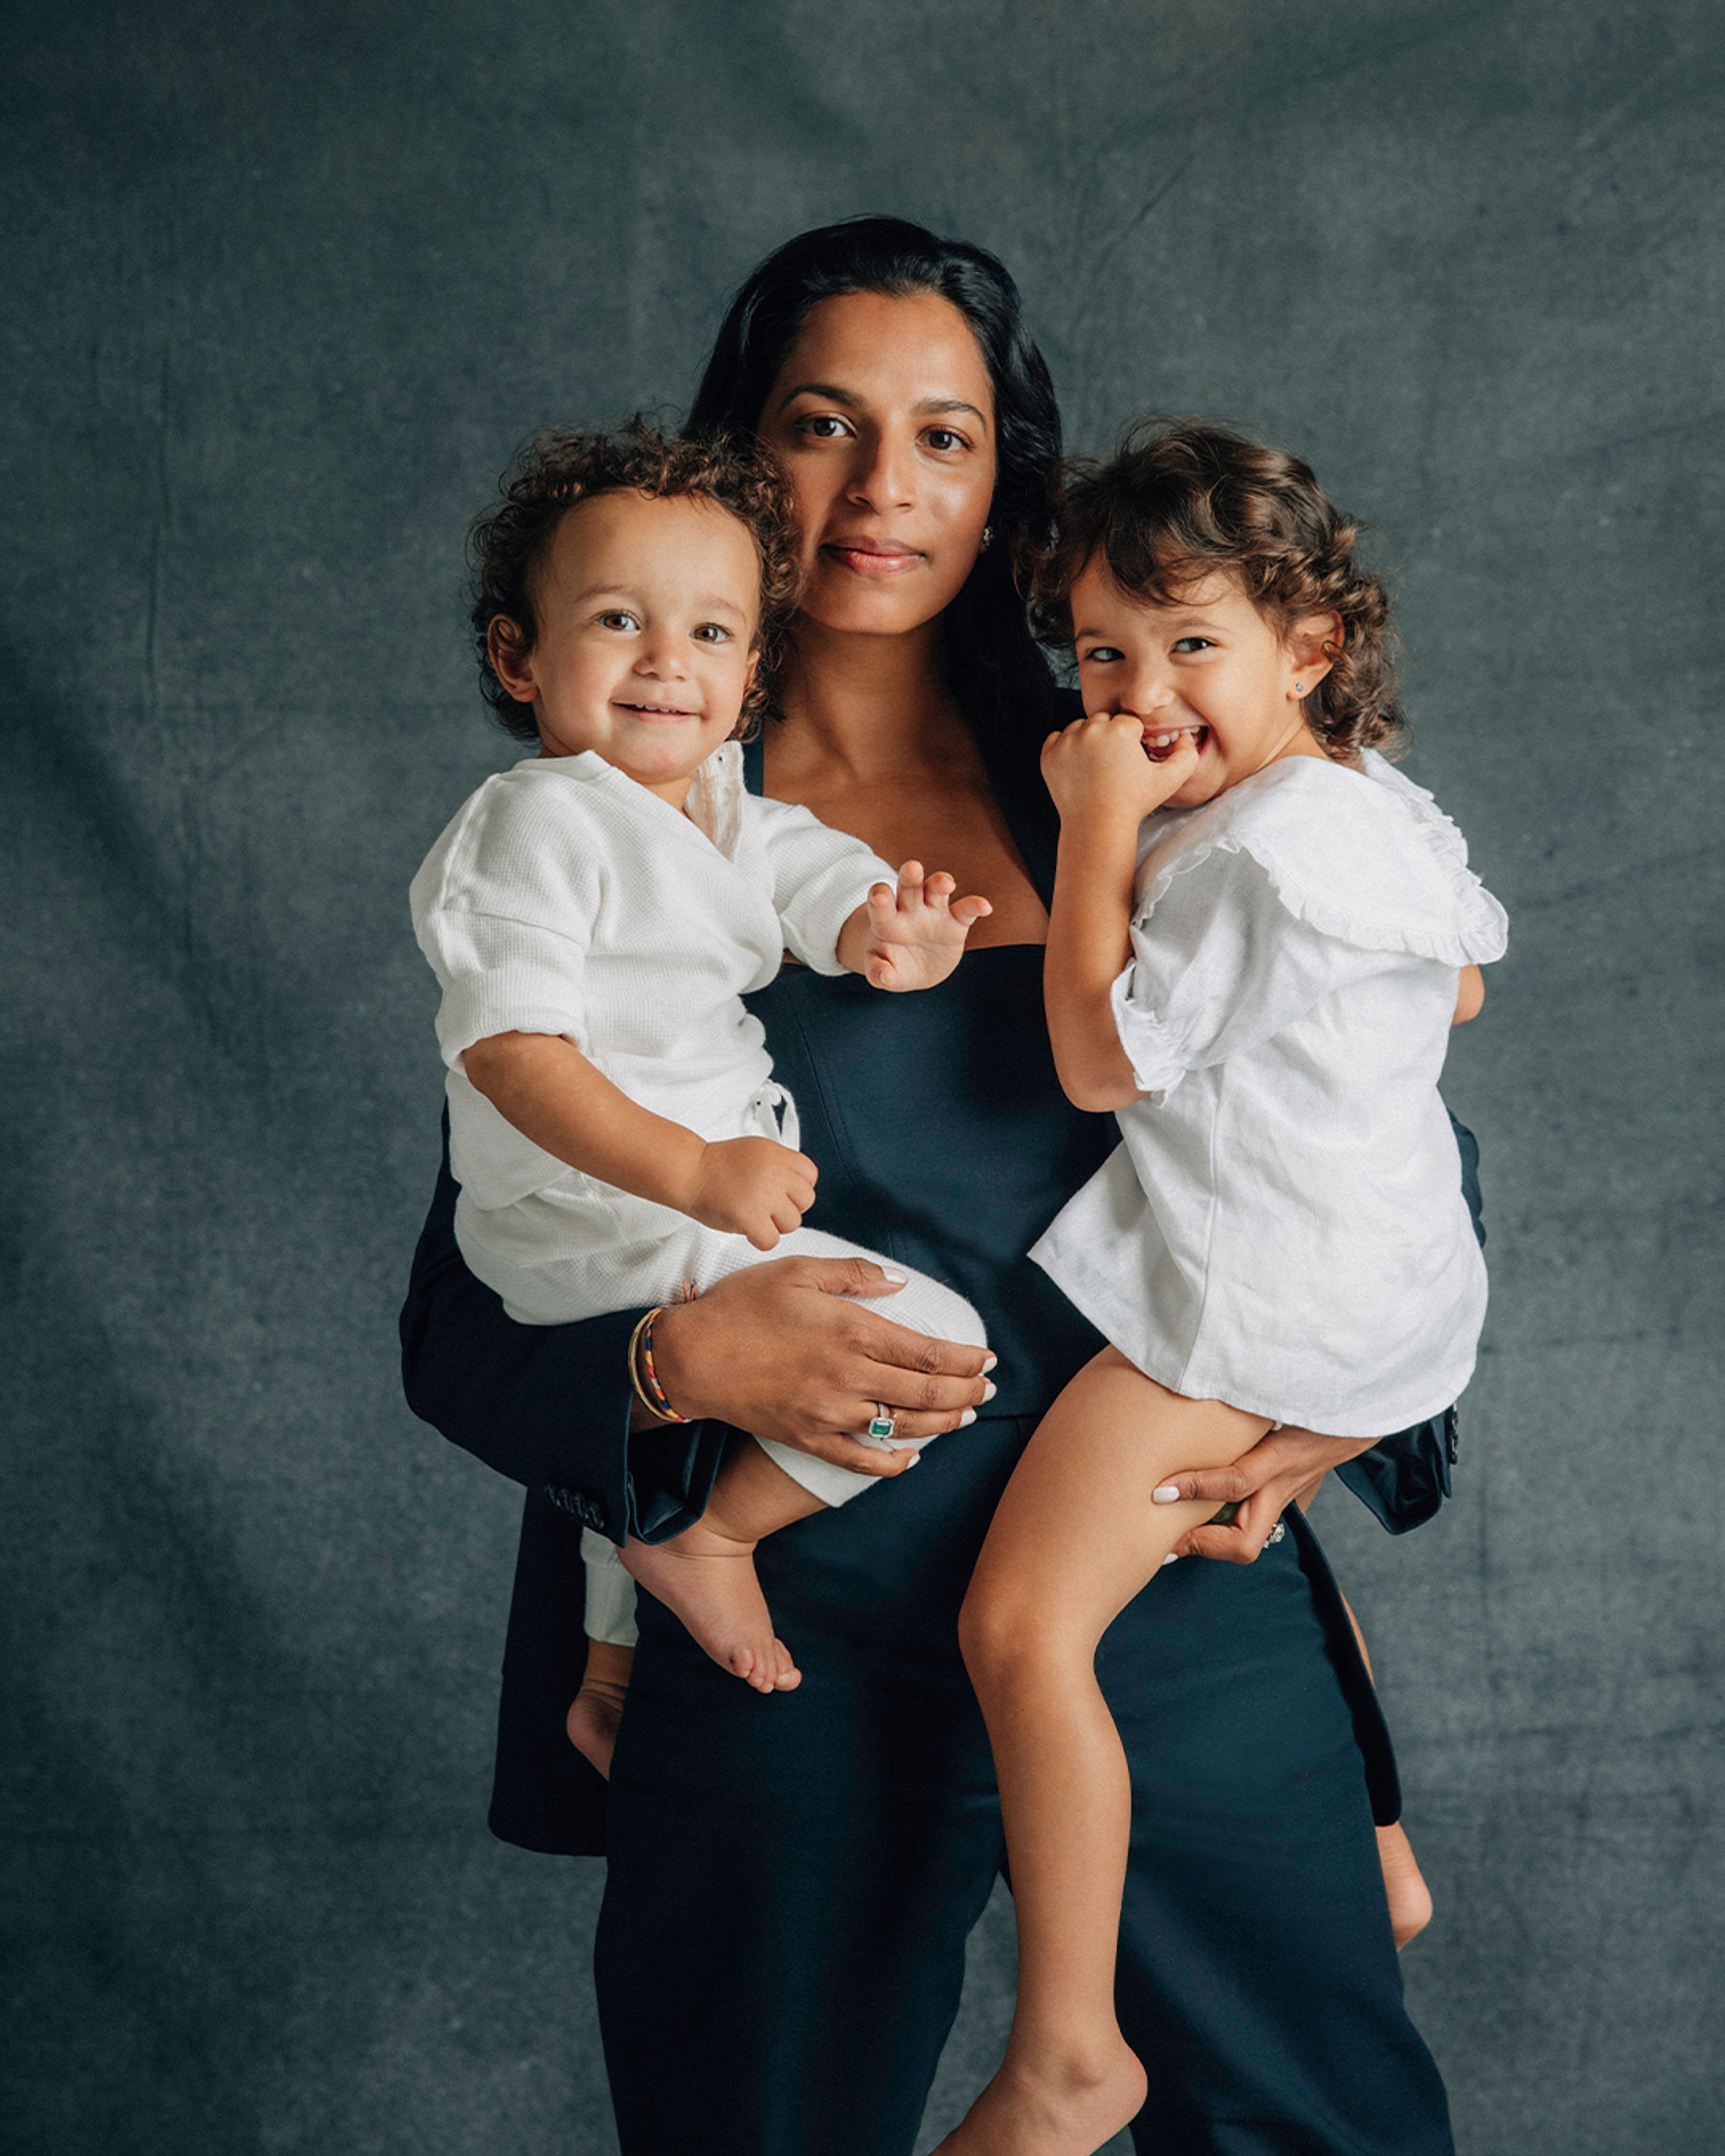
(1100, 765)
(914, 936)
(753, 1187)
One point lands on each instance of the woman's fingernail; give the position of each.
(989, 1391)
(989, 1362)
(968, 1416)
(914, 1461)
(1173, 1557)
(1168, 1494)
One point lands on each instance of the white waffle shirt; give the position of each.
(1283, 1228)
(564, 898)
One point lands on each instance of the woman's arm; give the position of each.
(787, 1348)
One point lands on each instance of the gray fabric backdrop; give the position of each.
(283, 287)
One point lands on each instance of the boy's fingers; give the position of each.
(968, 912)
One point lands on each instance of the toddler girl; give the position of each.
(1260, 936)
(593, 916)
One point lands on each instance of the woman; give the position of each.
(792, 1879)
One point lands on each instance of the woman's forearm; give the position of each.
(1088, 941)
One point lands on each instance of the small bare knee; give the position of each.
(1004, 1642)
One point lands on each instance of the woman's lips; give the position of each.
(870, 558)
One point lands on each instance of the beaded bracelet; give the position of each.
(642, 1375)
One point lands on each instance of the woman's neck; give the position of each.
(865, 708)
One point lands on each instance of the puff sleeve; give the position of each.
(1219, 965)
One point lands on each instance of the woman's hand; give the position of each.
(1282, 1469)
(1101, 767)
(786, 1350)
(910, 937)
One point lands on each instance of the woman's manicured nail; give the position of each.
(914, 1461)
(989, 1391)
(1173, 1557)
(989, 1362)
(968, 1416)
(1168, 1494)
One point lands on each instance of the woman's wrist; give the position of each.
(644, 1374)
(673, 1368)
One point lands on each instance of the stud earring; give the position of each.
(1298, 689)
(987, 534)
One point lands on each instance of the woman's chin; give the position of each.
(849, 605)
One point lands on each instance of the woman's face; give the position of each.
(883, 417)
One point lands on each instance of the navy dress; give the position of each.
(790, 1879)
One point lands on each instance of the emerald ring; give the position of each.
(884, 1426)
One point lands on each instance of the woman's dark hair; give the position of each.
(1181, 500)
(555, 471)
(998, 673)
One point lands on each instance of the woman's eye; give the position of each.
(823, 426)
(616, 617)
(943, 439)
(1099, 654)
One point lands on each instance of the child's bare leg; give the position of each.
(1410, 1897)
(1404, 1883)
(597, 1707)
(1074, 1539)
(707, 1574)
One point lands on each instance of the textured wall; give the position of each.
(283, 288)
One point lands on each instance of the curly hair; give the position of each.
(1181, 500)
(555, 471)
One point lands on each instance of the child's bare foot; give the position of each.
(707, 1578)
(1071, 2107)
(1410, 1897)
(592, 1720)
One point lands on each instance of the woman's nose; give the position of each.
(882, 476)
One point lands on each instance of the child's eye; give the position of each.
(618, 618)
(1195, 644)
(712, 632)
(1099, 654)
(823, 426)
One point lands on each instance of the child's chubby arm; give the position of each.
(1104, 786)
(546, 1088)
(910, 937)
(1470, 996)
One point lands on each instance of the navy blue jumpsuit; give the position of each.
(790, 1879)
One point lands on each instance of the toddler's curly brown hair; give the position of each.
(555, 471)
(1182, 499)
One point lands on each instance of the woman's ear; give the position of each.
(1312, 647)
(511, 660)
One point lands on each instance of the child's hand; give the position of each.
(753, 1187)
(1099, 767)
(914, 936)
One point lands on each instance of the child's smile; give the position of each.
(648, 608)
(1209, 669)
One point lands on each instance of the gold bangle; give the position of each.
(657, 1413)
